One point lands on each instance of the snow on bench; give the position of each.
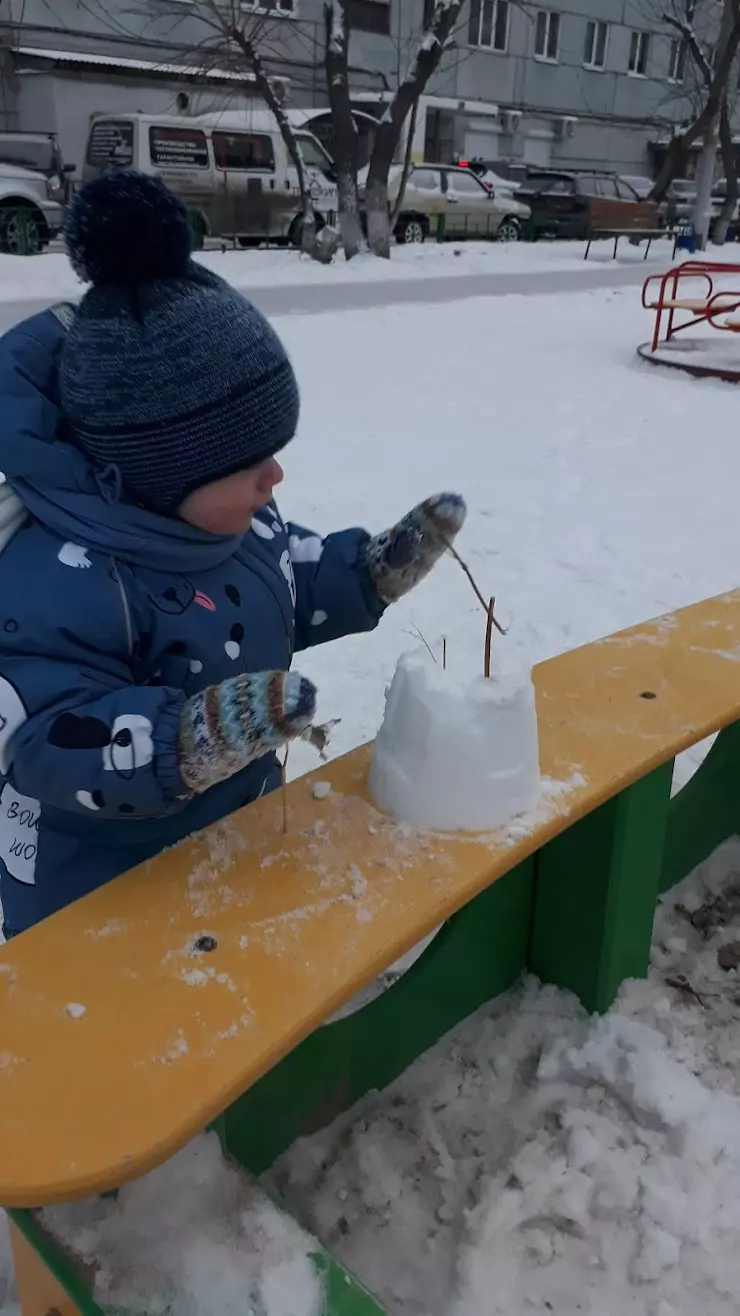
(192, 989)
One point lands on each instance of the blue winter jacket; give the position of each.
(110, 617)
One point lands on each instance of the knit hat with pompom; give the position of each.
(168, 374)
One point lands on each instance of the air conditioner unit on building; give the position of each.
(565, 127)
(510, 120)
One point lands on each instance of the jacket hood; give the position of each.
(57, 484)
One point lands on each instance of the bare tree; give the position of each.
(346, 136)
(236, 39)
(707, 95)
(242, 33)
(424, 63)
(718, 130)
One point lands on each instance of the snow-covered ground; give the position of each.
(51, 275)
(536, 1160)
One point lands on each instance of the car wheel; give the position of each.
(22, 231)
(197, 230)
(510, 230)
(410, 230)
(295, 232)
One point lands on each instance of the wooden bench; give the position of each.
(205, 974)
(648, 235)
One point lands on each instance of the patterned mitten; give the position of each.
(399, 558)
(226, 726)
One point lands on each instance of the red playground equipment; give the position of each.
(679, 308)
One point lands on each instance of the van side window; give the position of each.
(111, 143)
(186, 148)
(243, 151)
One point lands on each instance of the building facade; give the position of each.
(572, 83)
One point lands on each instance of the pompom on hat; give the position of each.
(168, 373)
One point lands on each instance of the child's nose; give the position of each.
(273, 473)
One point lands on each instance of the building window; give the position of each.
(677, 64)
(639, 54)
(547, 35)
(371, 16)
(594, 52)
(489, 23)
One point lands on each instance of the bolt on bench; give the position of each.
(191, 991)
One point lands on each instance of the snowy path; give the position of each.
(538, 1161)
(311, 299)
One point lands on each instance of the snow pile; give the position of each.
(456, 755)
(195, 1237)
(538, 1160)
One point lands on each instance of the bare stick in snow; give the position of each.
(284, 789)
(489, 632)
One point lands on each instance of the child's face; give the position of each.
(227, 506)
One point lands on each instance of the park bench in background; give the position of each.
(198, 983)
(647, 235)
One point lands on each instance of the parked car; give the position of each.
(487, 171)
(566, 205)
(470, 210)
(719, 196)
(680, 200)
(639, 183)
(231, 168)
(34, 186)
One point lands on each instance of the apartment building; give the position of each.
(572, 83)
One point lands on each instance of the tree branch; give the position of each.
(688, 36)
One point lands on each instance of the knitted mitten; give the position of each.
(399, 558)
(226, 726)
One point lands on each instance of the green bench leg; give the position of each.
(596, 887)
(477, 955)
(706, 811)
(343, 1294)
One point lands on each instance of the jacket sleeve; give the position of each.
(84, 739)
(333, 592)
(29, 358)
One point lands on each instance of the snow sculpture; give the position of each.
(456, 756)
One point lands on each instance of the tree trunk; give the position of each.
(346, 138)
(674, 165)
(376, 206)
(406, 165)
(350, 226)
(267, 92)
(727, 213)
(425, 62)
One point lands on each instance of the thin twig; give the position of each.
(501, 629)
(469, 575)
(285, 790)
(444, 653)
(418, 636)
(489, 632)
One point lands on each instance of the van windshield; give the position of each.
(314, 155)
